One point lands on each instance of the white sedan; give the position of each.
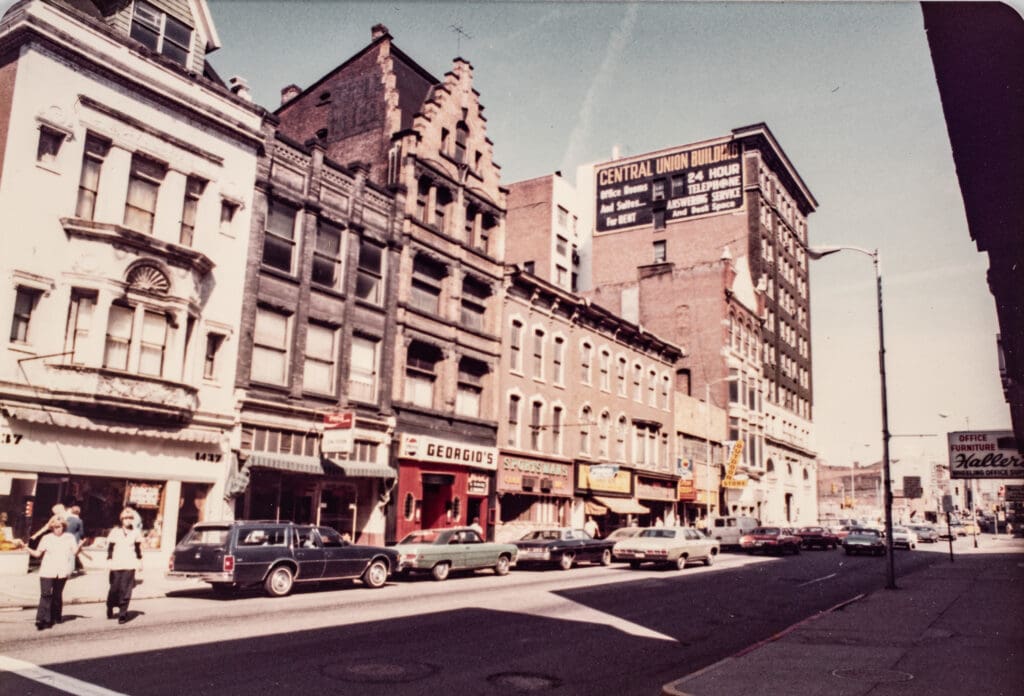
(905, 537)
(666, 546)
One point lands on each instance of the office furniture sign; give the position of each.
(986, 454)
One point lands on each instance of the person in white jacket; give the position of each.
(58, 550)
(124, 554)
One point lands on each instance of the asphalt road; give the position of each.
(591, 630)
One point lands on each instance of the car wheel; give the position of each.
(376, 574)
(502, 566)
(223, 589)
(565, 561)
(440, 571)
(606, 557)
(681, 563)
(635, 565)
(279, 582)
(710, 560)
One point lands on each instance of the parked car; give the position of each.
(728, 530)
(864, 540)
(778, 540)
(242, 553)
(843, 530)
(925, 533)
(817, 537)
(563, 546)
(624, 533)
(440, 551)
(904, 537)
(666, 546)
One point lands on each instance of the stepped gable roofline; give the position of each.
(395, 51)
(760, 131)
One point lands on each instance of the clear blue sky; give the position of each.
(849, 91)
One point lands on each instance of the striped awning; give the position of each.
(364, 469)
(622, 506)
(319, 466)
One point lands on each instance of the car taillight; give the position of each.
(229, 564)
(170, 563)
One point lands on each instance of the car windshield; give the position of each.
(865, 532)
(811, 530)
(774, 531)
(658, 533)
(542, 535)
(425, 536)
(207, 536)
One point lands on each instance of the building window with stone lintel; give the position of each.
(95, 153)
(421, 373)
(143, 190)
(362, 374)
(279, 237)
(271, 336)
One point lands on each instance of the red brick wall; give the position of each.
(8, 73)
(528, 224)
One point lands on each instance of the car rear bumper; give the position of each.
(205, 577)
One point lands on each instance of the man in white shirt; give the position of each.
(58, 550)
(124, 554)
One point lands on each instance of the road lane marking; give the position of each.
(811, 582)
(53, 679)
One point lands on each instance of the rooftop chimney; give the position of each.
(377, 31)
(240, 86)
(289, 93)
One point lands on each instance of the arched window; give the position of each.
(585, 420)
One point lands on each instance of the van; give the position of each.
(728, 530)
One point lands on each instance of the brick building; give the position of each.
(547, 234)
(704, 244)
(426, 139)
(317, 343)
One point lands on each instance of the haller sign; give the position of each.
(986, 454)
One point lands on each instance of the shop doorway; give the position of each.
(338, 505)
(437, 500)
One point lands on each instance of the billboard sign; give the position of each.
(984, 454)
(682, 184)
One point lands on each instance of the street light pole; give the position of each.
(818, 253)
(707, 445)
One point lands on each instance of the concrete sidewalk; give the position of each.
(22, 591)
(953, 628)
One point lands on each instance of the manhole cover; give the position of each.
(524, 681)
(380, 672)
(877, 676)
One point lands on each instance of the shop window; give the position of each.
(25, 300)
(425, 292)
(270, 346)
(327, 255)
(194, 187)
(279, 237)
(321, 359)
(470, 387)
(96, 150)
(161, 33)
(421, 373)
(144, 182)
(370, 274)
(362, 377)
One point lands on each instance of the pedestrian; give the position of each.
(475, 525)
(591, 528)
(76, 529)
(8, 542)
(124, 555)
(58, 550)
(57, 513)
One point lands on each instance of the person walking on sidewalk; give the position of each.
(77, 530)
(58, 550)
(124, 553)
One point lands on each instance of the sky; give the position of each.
(849, 91)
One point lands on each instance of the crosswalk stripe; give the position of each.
(53, 679)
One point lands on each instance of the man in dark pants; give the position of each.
(124, 553)
(77, 530)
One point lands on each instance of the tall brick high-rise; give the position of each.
(426, 138)
(704, 244)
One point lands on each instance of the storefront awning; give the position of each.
(622, 506)
(364, 469)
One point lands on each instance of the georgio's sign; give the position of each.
(987, 454)
(434, 449)
(677, 185)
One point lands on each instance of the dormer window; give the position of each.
(161, 33)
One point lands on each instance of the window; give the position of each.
(425, 293)
(370, 275)
(585, 356)
(561, 276)
(652, 387)
(50, 141)
(119, 337)
(362, 373)
(327, 255)
(89, 181)
(143, 189)
(474, 303)
(153, 343)
(659, 219)
(536, 414)
(79, 322)
(660, 252)
(461, 136)
(321, 352)
(194, 187)
(420, 374)
(228, 210)
(556, 429)
(515, 346)
(213, 344)
(24, 304)
(666, 392)
(442, 200)
(270, 346)
(513, 420)
(638, 389)
(538, 354)
(658, 190)
(562, 218)
(605, 367)
(470, 387)
(558, 360)
(621, 376)
(561, 245)
(602, 434)
(585, 419)
(620, 439)
(678, 185)
(279, 238)
(422, 199)
(469, 225)
(161, 33)
(487, 223)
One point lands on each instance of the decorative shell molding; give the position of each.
(148, 278)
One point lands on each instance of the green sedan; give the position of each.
(440, 551)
